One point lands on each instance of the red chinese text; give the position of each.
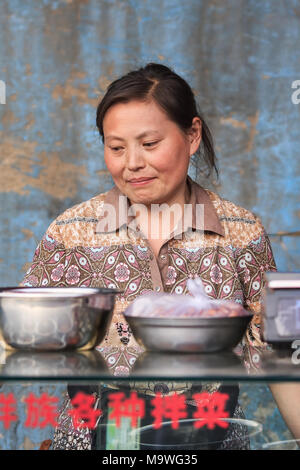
(7, 409)
(42, 411)
(132, 407)
(83, 413)
(42, 408)
(172, 407)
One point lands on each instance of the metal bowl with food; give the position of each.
(187, 323)
(55, 318)
(188, 334)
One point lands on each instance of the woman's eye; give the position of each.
(147, 144)
(150, 143)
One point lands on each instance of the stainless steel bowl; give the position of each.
(55, 318)
(188, 334)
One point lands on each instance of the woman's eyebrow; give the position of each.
(143, 134)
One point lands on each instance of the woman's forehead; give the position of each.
(137, 117)
(135, 110)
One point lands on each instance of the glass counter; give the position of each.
(154, 373)
(89, 366)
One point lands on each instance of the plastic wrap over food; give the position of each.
(196, 305)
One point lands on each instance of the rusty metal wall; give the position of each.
(57, 58)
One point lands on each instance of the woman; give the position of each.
(151, 129)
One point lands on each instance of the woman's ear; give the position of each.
(195, 134)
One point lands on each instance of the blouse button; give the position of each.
(157, 289)
(163, 257)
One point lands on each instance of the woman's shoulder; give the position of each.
(230, 208)
(77, 218)
(83, 210)
(242, 225)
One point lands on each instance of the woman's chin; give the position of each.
(146, 201)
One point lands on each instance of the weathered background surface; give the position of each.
(57, 58)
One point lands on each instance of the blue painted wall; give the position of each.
(57, 58)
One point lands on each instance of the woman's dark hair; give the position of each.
(173, 94)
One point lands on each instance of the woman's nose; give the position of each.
(135, 160)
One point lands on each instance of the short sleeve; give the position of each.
(48, 264)
(252, 262)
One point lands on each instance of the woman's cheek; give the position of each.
(114, 166)
(164, 161)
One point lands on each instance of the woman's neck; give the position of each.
(160, 220)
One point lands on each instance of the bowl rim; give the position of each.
(20, 292)
(189, 322)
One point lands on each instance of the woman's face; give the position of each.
(140, 141)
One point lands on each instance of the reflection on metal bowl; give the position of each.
(160, 364)
(51, 364)
(188, 334)
(55, 318)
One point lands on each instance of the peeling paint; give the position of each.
(103, 173)
(233, 122)
(68, 91)
(78, 74)
(243, 125)
(30, 121)
(253, 121)
(56, 177)
(103, 82)
(262, 412)
(28, 72)
(28, 444)
(28, 233)
(9, 118)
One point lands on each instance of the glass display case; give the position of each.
(193, 377)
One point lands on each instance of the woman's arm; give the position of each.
(287, 397)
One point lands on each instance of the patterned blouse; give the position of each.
(230, 256)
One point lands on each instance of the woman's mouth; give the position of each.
(140, 181)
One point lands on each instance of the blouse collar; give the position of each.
(206, 219)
